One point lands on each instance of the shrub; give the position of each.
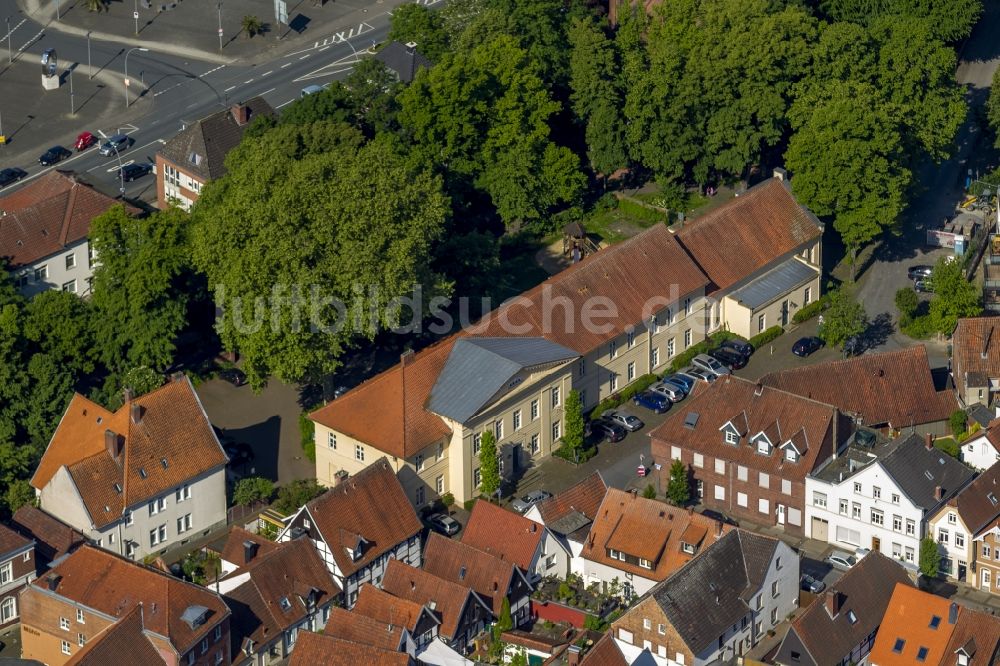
(683, 359)
(958, 422)
(766, 336)
(930, 558)
(918, 328)
(649, 492)
(467, 504)
(252, 489)
(809, 311)
(907, 302)
(297, 493)
(623, 396)
(307, 431)
(575, 456)
(448, 500)
(947, 445)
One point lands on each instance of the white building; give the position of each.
(878, 496)
(982, 450)
(569, 515)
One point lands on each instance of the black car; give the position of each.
(722, 518)
(918, 272)
(11, 175)
(744, 349)
(130, 172)
(805, 346)
(53, 155)
(728, 358)
(607, 430)
(240, 453)
(923, 286)
(234, 376)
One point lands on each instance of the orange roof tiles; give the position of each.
(503, 533)
(909, 618)
(105, 582)
(363, 629)
(416, 585)
(234, 552)
(319, 650)
(583, 497)
(887, 388)
(743, 236)
(388, 608)
(171, 442)
(650, 530)
(976, 352)
(488, 575)
(977, 636)
(123, 642)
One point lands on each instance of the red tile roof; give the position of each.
(760, 226)
(172, 442)
(53, 538)
(11, 541)
(977, 636)
(908, 618)
(123, 642)
(508, 535)
(732, 398)
(362, 629)
(976, 352)
(47, 215)
(234, 552)
(583, 497)
(388, 412)
(604, 653)
(449, 599)
(387, 608)
(319, 650)
(113, 585)
(973, 502)
(887, 388)
(371, 504)
(650, 530)
(488, 575)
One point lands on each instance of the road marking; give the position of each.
(305, 56)
(246, 82)
(229, 88)
(287, 64)
(266, 73)
(191, 106)
(7, 36)
(285, 103)
(324, 48)
(213, 70)
(267, 91)
(124, 164)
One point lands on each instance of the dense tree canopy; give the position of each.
(950, 20)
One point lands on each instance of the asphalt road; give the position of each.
(181, 90)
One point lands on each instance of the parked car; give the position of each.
(700, 375)
(671, 391)
(810, 584)
(53, 155)
(240, 453)
(841, 560)
(446, 525)
(744, 349)
(522, 504)
(728, 358)
(859, 553)
(130, 172)
(721, 517)
(709, 364)
(115, 144)
(11, 175)
(625, 420)
(84, 140)
(685, 381)
(310, 90)
(608, 431)
(805, 346)
(234, 376)
(653, 401)
(924, 286)
(919, 271)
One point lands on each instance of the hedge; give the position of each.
(307, 431)
(683, 359)
(766, 336)
(640, 212)
(585, 453)
(808, 312)
(623, 396)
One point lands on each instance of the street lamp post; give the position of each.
(220, 25)
(90, 70)
(72, 101)
(135, 48)
(10, 52)
(135, 15)
(58, 17)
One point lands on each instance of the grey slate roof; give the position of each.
(774, 283)
(477, 369)
(981, 414)
(711, 592)
(211, 139)
(918, 471)
(402, 59)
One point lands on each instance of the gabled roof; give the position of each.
(389, 609)
(974, 504)
(53, 538)
(404, 59)
(864, 591)
(503, 533)
(479, 370)
(11, 542)
(277, 589)
(448, 599)
(98, 579)
(371, 504)
(918, 470)
(313, 649)
(47, 215)
(234, 548)
(977, 636)
(202, 146)
(760, 226)
(574, 508)
(605, 653)
(976, 351)
(358, 628)
(396, 420)
(887, 388)
(122, 642)
(909, 618)
(786, 276)
(166, 439)
(712, 592)
(766, 409)
(650, 530)
(488, 575)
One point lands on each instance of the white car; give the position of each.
(625, 420)
(671, 391)
(709, 364)
(841, 560)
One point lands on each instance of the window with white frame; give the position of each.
(763, 480)
(183, 493)
(959, 540)
(630, 339)
(857, 488)
(157, 506)
(819, 499)
(742, 473)
(418, 462)
(761, 323)
(69, 286)
(80, 617)
(477, 443)
(498, 429)
(741, 499)
(911, 527)
(184, 523)
(534, 409)
(64, 623)
(65, 646)
(720, 466)
(720, 493)
(855, 511)
(556, 430)
(42, 273)
(477, 477)
(535, 444)
(670, 348)
(613, 381)
(699, 460)
(786, 487)
(876, 492)
(843, 507)
(631, 370)
(331, 440)
(732, 438)
(359, 452)
(763, 506)
(675, 453)
(952, 518)
(878, 518)
(687, 338)
(555, 396)
(897, 523)
(645, 564)
(440, 451)
(8, 609)
(943, 536)
(612, 349)
(439, 484)
(895, 498)
(70, 261)
(517, 419)
(656, 356)
(807, 296)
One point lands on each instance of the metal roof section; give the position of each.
(480, 368)
(769, 286)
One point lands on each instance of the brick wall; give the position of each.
(41, 635)
(648, 613)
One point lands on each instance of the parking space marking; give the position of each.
(285, 103)
(229, 88)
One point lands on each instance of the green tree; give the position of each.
(955, 297)
(141, 379)
(251, 25)
(993, 107)
(296, 494)
(950, 20)
(678, 488)
(844, 318)
(505, 622)
(16, 465)
(958, 421)
(489, 465)
(649, 492)
(907, 302)
(59, 323)
(412, 22)
(573, 432)
(19, 493)
(333, 104)
(930, 557)
(252, 489)
(373, 91)
(303, 266)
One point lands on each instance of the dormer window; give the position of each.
(732, 438)
(687, 548)
(763, 446)
(645, 564)
(791, 455)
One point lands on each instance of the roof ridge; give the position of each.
(68, 214)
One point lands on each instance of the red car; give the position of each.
(84, 141)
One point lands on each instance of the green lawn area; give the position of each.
(947, 445)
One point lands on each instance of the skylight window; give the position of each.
(851, 617)
(163, 461)
(285, 604)
(935, 622)
(142, 472)
(922, 654)
(898, 647)
(992, 498)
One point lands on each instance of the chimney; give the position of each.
(339, 477)
(986, 343)
(929, 442)
(241, 114)
(780, 174)
(534, 527)
(690, 510)
(718, 527)
(135, 412)
(411, 47)
(832, 603)
(53, 581)
(249, 551)
(758, 389)
(114, 445)
(953, 613)
(413, 586)
(128, 394)
(938, 493)
(406, 357)
(573, 655)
